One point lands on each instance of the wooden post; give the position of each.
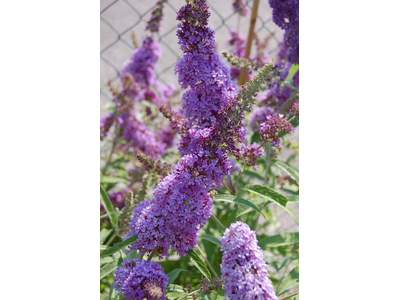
(253, 19)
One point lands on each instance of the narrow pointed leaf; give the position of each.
(293, 198)
(290, 281)
(199, 263)
(107, 205)
(174, 274)
(253, 175)
(119, 246)
(288, 169)
(282, 239)
(109, 179)
(211, 239)
(110, 267)
(237, 200)
(104, 233)
(270, 195)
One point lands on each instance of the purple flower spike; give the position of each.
(136, 279)
(243, 269)
(142, 62)
(285, 14)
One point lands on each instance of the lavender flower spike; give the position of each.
(243, 269)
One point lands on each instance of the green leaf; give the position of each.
(175, 291)
(282, 239)
(113, 292)
(215, 295)
(119, 246)
(252, 174)
(245, 211)
(293, 198)
(237, 200)
(104, 233)
(102, 297)
(271, 195)
(211, 239)
(105, 260)
(266, 193)
(109, 179)
(110, 267)
(107, 205)
(290, 281)
(288, 169)
(199, 263)
(174, 274)
(284, 263)
(292, 71)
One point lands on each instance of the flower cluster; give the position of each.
(243, 269)
(240, 7)
(136, 279)
(162, 169)
(294, 110)
(153, 25)
(173, 219)
(258, 116)
(142, 62)
(285, 14)
(250, 154)
(105, 124)
(137, 135)
(207, 286)
(269, 130)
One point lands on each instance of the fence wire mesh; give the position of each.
(119, 17)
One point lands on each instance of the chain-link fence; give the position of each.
(119, 17)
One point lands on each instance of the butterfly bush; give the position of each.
(138, 279)
(211, 125)
(243, 269)
(182, 204)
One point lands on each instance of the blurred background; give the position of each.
(119, 18)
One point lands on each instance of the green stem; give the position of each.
(208, 263)
(283, 274)
(227, 187)
(188, 295)
(111, 239)
(218, 222)
(267, 162)
(290, 296)
(237, 179)
(152, 253)
(109, 157)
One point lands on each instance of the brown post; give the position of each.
(253, 19)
